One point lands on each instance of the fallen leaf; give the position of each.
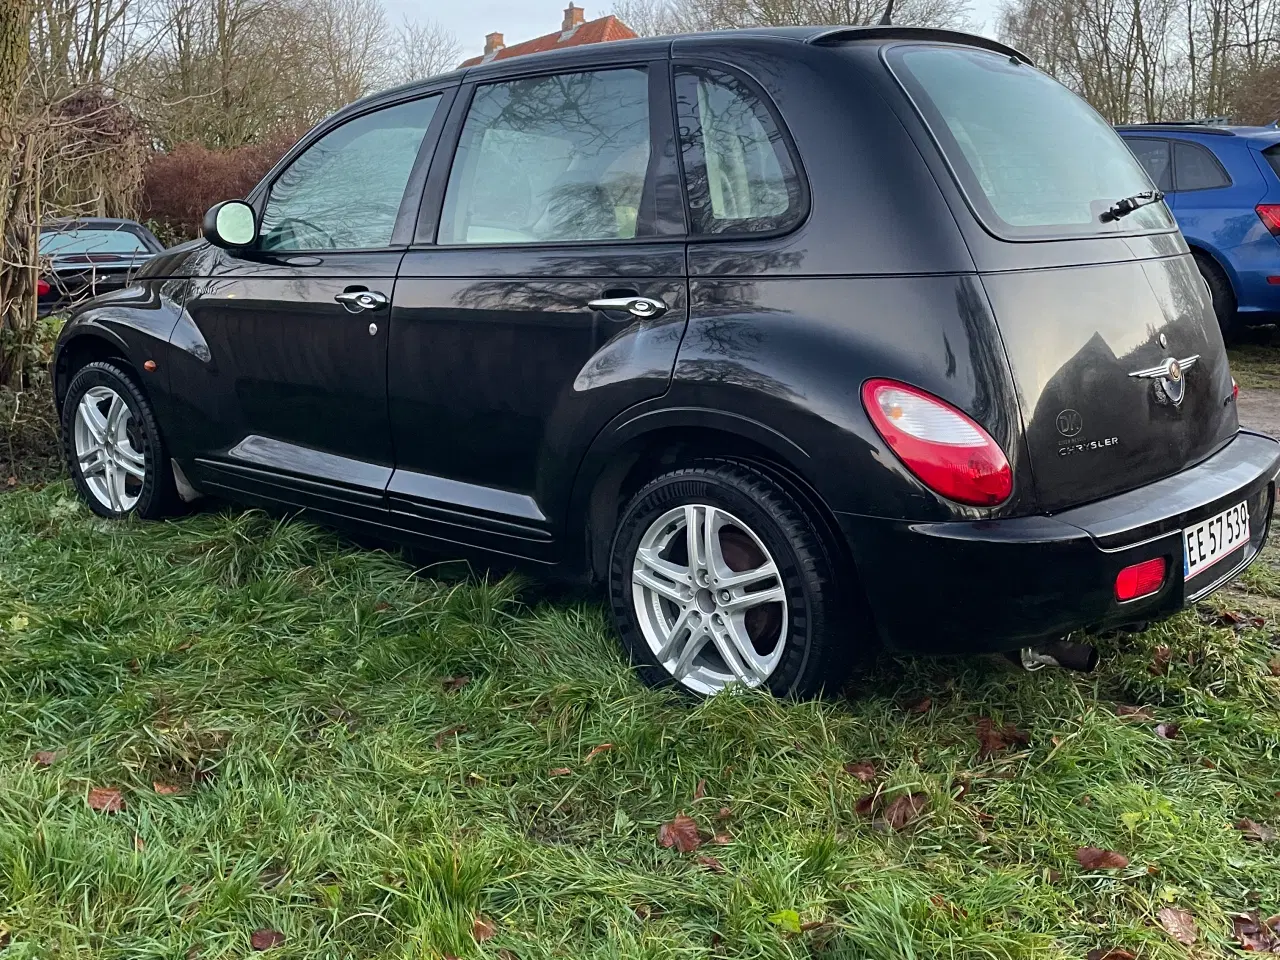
(559, 772)
(813, 925)
(1160, 657)
(993, 739)
(722, 839)
(786, 920)
(1136, 713)
(165, 789)
(1179, 924)
(106, 799)
(711, 863)
(454, 684)
(681, 833)
(443, 735)
(1111, 953)
(863, 770)
(1053, 876)
(596, 751)
(921, 706)
(381, 606)
(194, 952)
(943, 905)
(700, 790)
(1253, 934)
(1234, 618)
(44, 758)
(1168, 731)
(483, 929)
(184, 646)
(1274, 666)
(1095, 858)
(905, 809)
(1256, 832)
(724, 813)
(265, 939)
(867, 805)
(138, 843)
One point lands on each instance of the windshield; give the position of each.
(61, 242)
(1034, 159)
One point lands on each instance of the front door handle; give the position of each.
(357, 301)
(642, 307)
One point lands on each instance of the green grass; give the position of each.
(1255, 357)
(291, 684)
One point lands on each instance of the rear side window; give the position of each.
(1273, 157)
(1034, 160)
(1156, 159)
(1197, 169)
(738, 172)
(551, 160)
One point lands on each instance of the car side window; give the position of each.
(1195, 168)
(1156, 159)
(344, 191)
(553, 159)
(738, 172)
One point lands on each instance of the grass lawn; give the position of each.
(275, 709)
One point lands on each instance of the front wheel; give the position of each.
(112, 445)
(719, 577)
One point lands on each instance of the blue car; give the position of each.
(1223, 185)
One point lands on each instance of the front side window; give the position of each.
(551, 160)
(1034, 160)
(344, 191)
(738, 173)
(1197, 169)
(1155, 158)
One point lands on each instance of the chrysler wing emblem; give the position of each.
(1170, 376)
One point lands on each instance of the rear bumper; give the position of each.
(970, 587)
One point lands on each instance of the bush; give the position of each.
(181, 184)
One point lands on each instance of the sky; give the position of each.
(517, 20)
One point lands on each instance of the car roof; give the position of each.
(1268, 134)
(657, 46)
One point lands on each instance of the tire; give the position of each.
(794, 647)
(1224, 298)
(135, 446)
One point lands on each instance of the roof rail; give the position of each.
(895, 32)
(1180, 126)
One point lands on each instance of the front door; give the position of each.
(295, 329)
(553, 298)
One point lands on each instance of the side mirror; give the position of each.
(231, 224)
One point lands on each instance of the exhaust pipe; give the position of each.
(1065, 653)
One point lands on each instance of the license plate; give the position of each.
(1210, 540)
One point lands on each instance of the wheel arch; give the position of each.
(1219, 261)
(87, 344)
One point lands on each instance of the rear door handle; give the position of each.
(641, 307)
(357, 301)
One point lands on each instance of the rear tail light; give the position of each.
(1141, 579)
(946, 450)
(1235, 389)
(1270, 215)
(42, 287)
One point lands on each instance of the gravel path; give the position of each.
(1260, 410)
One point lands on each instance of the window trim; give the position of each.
(431, 212)
(804, 198)
(410, 201)
(1169, 147)
(1173, 156)
(982, 212)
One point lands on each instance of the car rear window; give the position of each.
(105, 240)
(1034, 160)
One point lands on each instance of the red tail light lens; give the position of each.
(42, 287)
(946, 450)
(1235, 389)
(1141, 579)
(1270, 215)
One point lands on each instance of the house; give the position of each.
(574, 31)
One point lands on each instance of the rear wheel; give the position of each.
(719, 577)
(112, 445)
(1224, 298)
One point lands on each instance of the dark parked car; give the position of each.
(1223, 185)
(799, 340)
(84, 257)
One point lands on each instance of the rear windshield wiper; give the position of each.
(1122, 208)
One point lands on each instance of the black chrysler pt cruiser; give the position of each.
(801, 341)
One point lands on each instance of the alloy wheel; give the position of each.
(108, 449)
(709, 599)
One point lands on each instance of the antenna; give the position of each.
(887, 19)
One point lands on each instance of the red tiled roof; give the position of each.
(601, 30)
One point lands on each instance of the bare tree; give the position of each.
(422, 49)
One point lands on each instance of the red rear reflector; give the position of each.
(946, 450)
(42, 287)
(1235, 389)
(1270, 215)
(1141, 579)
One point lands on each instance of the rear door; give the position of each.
(547, 292)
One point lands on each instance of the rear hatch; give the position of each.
(1119, 365)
